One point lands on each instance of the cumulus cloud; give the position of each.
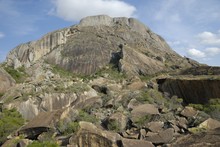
(2, 35)
(209, 38)
(74, 10)
(212, 51)
(195, 53)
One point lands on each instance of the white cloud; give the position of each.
(74, 10)
(2, 35)
(209, 38)
(194, 53)
(212, 51)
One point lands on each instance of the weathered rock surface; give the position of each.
(97, 41)
(6, 81)
(41, 123)
(91, 136)
(192, 90)
(210, 124)
(137, 143)
(165, 136)
(189, 112)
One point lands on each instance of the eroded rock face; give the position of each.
(97, 41)
(6, 81)
(191, 90)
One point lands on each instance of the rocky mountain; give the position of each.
(97, 41)
(106, 82)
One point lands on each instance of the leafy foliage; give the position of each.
(10, 121)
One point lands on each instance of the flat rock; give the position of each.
(144, 109)
(162, 137)
(210, 124)
(155, 126)
(189, 112)
(136, 143)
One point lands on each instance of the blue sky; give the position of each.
(191, 27)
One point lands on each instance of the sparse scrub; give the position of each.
(43, 144)
(212, 108)
(19, 75)
(10, 121)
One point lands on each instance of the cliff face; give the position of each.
(97, 41)
(191, 90)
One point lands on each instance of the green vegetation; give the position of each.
(111, 71)
(10, 121)
(1, 94)
(114, 126)
(212, 108)
(197, 130)
(68, 128)
(84, 116)
(151, 96)
(142, 120)
(18, 74)
(43, 144)
(62, 72)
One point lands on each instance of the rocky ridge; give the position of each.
(109, 82)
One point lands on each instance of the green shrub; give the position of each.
(142, 120)
(43, 144)
(10, 121)
(84, 116)
(197, 106)
(151, 96)
(1, 94)
(212, 108)
(68, 128)
(114, 126)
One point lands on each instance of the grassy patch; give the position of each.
(43, 144)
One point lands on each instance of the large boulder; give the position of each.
(162, 137)
(210, 124)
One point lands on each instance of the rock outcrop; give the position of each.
(6, 81)
(97, 41)
(192, 90)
